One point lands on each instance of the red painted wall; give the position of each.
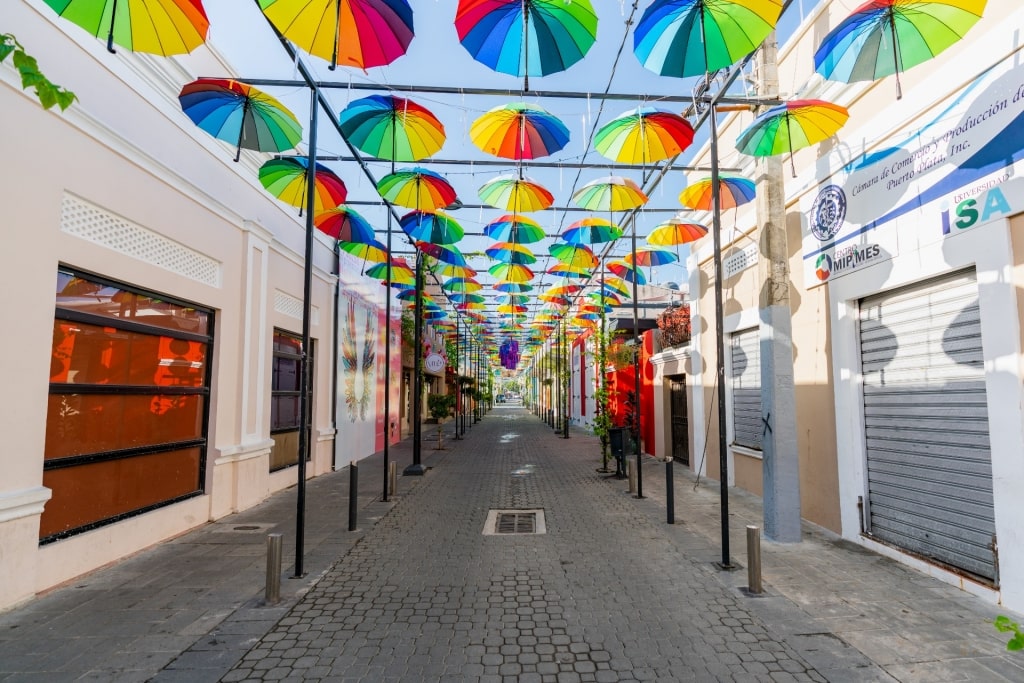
(621, 382)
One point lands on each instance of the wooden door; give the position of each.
(680, 423)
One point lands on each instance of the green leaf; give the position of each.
(24, 62)
(65, 98)
(47, 94)
(1004, 625)
(1016, 643)
(5, 49)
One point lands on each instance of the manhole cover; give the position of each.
(514, 523)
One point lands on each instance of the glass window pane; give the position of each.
(284, 412)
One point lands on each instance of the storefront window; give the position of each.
(284, 400)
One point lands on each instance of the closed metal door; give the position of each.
(929, 463)
(680, 423)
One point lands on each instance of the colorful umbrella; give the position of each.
(885, 37)
(286, 180)
(564, 289)
(449, 255)
(651, 256)
(526, 37)
(512, 272)
(510, 252)
(359, 33)
(434, 227)
(512, 298)
(466, 298)
(616, 286)
(552, 299)
(683, 38)
(389, 127)
(515, 193)
(627, 272)
(374, 252)
(159, 27)
(461, 285)
(509, 286)
(563, 270)
(644, 135)
(611, 193)
(401, 273)
(513, 228)
(591, 230)
(574, 255)
(417, 188)
(791, 126)
(344, 223)
(732, 192)
(674, 232)
(511, 308)
(452, 270)
(519, 131)
(240, 114)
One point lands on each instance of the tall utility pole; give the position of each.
(781, 464)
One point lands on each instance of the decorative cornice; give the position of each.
(675, 355)
(24, 503)
(244, 451)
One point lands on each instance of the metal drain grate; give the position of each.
(514, 523)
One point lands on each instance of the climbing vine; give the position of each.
(48, 92)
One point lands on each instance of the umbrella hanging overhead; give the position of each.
(885, 37)
(512, 298)
(563, 270)
(611, 193)
(644, 135)
(159, 27)
(791, 126)
(510, 286)
(510, 252)
(732, 192)
(434, 227)
(526, 37)
(519, 131)
(452, 270)
(674, 232)
(591, 230)
(417, 188)
(394, 128)
(651, 256)
(359, 33)
(683, 38)
(616, 286)
(449, 255)
(515, 193)
(286, 180)
(627, 272)
(240, 114)
(461, 285)
(513, 228)
(374, 252)
(574, 255)
(344, 224)
(466, 298)
(401, 273)
(512, 272)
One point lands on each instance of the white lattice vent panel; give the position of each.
(740, 260)
(89, 222)
(288, 305)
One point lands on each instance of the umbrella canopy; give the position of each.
(732, 192)
(510, 286)
(159, 27)
(564, 289)
(359, 33)
(552, 299)
(675, 232)
(526, 37)
(374, 252)
(591, 230)
(563, 270)
(513, 228)
(511, 308)
(434, 227)
(515, 193)
(643, 136)
(512, 272)
(617, 286)
(627, 272)
(791, 126)
(345, 224)
(417, 188)
(885, 37)
(651, 256)
(449, 255)
(452, 270)
(240, 114)
(394, 128)
(461, 285)
(574, 255)
(401, 273)
(519, 131)
(466, 298)
(286, 180)
(510, 252)
(513, 298)
(611, 193)
(683, 38)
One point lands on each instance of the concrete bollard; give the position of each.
(273, 591)
(631, 474)
(754, 559)
(392, 478)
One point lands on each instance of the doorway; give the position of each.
(680, 422)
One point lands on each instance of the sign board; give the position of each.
(434, 363)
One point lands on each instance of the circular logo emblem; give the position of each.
(828, 212)
(823, 267)
(434, 362)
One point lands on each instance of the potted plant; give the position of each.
(440, 407)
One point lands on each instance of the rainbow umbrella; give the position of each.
(417, 188)
(359, 33)
(449, 255)
(240, 114)
(514, 228)
(518, 131)
(526, 37)
(286, 179)
(401, 273)
(374, 252)
(512, 298)
(605, 298)
(345, 224)
(644, 135)
(461, 285)
(885, 37)
(515, 193)
(159, 27)
(389, 127)
(651, 256)
(552, 299)
(509, 286)
(616, 286)
(591, 230)
(627, 272)
(683, 38)
(512, 272)
(510, 252)
(563, 270)
(732, 192)
(791, 126)
(674, 232)
(466, 298)
(410, 295)
(452, 270)
(511, 308)
(611, 193)
(574, 255)
(431, 226)
(470, 306)
(564, 289)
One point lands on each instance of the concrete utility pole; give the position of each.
(778, 401)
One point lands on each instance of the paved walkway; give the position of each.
(419, 593)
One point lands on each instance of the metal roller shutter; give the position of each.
(746, 388)
(926, 423)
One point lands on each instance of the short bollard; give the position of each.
(631, 473)
(273, 592)
(392, 478)
(754, 559)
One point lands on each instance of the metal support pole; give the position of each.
(556, 415)
(670, 492)
(636, 374)
(272, 594)
(568, 385)
(754, 559)
(353, 495)
(416, 468)
(458, 367)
